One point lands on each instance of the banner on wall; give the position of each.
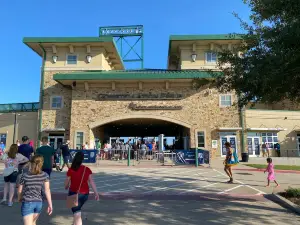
(188, 156)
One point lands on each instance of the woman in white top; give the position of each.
(10, 173)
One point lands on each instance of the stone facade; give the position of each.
(58, 118)
(200, 111)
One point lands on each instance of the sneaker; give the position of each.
(3, 202)
(10, 204)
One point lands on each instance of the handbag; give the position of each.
(72, 200)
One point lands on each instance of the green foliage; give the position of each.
(292, 192)
(276, 167)
(270, 67)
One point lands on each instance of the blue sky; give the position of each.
(20, 66)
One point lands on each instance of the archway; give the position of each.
(143, 127)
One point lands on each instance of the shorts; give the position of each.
(29, 208)
(66, 158)
(82, 198)
(12, 178)
(48, 171)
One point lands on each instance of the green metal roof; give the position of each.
(133, 75)
(206, 37)
(20, 107)
(67, 39)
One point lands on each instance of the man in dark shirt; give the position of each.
(47, 152)
(65, 154)
(25, 149)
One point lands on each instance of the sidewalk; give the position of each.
(162, 212)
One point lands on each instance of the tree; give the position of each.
(269, 69)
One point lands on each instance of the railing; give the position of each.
(168, 157)
(20, 107)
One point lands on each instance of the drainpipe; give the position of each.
(41, 94)
(241, 112)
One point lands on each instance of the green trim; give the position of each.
(41, 94)
(132, 75)
(66, 39)
(282, 110)
(206, 37)
(19, 107)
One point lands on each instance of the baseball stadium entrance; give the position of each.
(142, 137)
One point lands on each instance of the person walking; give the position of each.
(30, 191)
(10, 173)
(230, 160)
(48, 153)
(271, 172)
(25, 149)
(65, 151)
(79, 177)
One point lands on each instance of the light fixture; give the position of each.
(54, 58)
(88, 58)
(194, 57)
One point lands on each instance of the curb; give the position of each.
(284, 202)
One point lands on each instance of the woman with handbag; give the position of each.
(79, 177)
(11, 160)
(30, 191)
(230, 160)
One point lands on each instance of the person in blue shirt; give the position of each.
(25, 149)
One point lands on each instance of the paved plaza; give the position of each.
(152, 194)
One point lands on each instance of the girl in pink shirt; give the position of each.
(271, 172)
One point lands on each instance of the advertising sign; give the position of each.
(188, 156)
(214, 143)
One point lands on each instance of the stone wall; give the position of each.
(59, 118)
(200, 109)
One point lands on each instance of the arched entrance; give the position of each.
(142, 127)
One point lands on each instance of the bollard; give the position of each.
(128, 158)
(196, 158)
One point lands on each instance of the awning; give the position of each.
(53, 130)
(266, 129)
(229, 128)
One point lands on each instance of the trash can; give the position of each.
(245, 157)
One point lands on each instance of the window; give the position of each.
(270, 138)
(56, 102)
(225, 100)
(201, 139)
(211, 57)
(79, 140)
(71, 59)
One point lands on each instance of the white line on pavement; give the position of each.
(176, 185)
(120, 183)
(246, 185)
(155, 182)
(230, 189)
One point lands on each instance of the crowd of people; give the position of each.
(119, 150)
(30, 172)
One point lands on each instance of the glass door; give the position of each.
(253, 146)
(231, 140)
(56, 142)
